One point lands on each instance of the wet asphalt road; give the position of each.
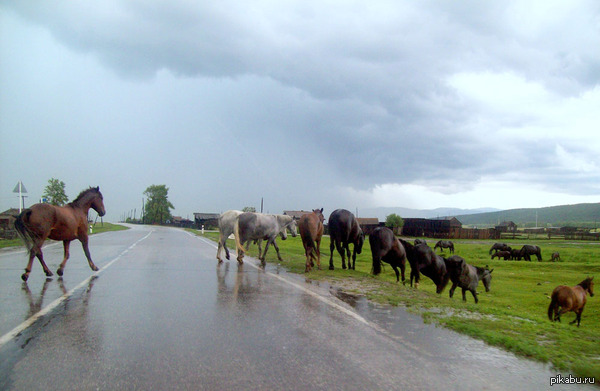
(161, 314)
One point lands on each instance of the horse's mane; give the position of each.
(83, 194)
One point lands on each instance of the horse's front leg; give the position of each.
(452, 289)
(464, 292)
(353, 258)
(277, 249)
(474, 293)
(86, 250)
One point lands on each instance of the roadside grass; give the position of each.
(97, 228)
(513, 315)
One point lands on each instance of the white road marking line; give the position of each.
(44, 311)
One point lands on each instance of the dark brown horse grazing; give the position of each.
(343, 230)
(423, 260)
(566, 298)
(311, 231)
(66, 223)
(387, 248)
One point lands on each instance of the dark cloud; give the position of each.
(329, 95)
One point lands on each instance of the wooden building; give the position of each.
(431, 228)
(368, 224)
(208, 220)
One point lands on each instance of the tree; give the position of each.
(249, 209)
(394, 222)
(55, 192)
(157, 208)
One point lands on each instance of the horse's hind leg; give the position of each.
(331, 247)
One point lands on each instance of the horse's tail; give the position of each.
(551, 307)
(24, 232)
(236, 233)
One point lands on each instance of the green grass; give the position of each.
(513, 315)
(97, 228)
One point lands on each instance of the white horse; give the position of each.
(256, 226)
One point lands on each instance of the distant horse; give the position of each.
(515, 253)
(442, 244)
(555, 256)
(311, 231)
(387, 248)
(66, 223)
(528, 250)
(423, 260)
(566, 298)
(502, 254)
(467, 276)
(500, 247)
(343, 230)
(257, 226)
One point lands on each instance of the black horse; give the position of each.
(442, 244)
(500, 247)
(420, 241)
(528, 250)
(387, 248)
(343, 230)
(467, 276)
(423, 260)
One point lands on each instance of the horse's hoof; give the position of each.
(226, 256)
(331, 267)
(24, 277)
(95, 268)
(59, 272)
(49, 274)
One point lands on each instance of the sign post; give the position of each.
(20, 188)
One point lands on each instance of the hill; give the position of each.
(382, 212)
(578, 215)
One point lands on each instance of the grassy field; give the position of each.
(97, 228)
(513, 315)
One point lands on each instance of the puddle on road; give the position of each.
(462, 355)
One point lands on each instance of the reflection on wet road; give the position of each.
(163, 315)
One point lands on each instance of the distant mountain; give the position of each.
(382, 213)
(578, 215)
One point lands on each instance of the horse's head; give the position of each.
(590, 288)
(98, 202)
(487, 278)
(293, 227)
(359, 243)
(319, 213)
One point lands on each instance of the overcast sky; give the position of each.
(333, 104)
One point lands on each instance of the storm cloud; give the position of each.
(335, 104)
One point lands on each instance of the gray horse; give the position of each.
(467, 276)
(257, 226)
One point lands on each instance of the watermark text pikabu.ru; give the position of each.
(559, 379)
